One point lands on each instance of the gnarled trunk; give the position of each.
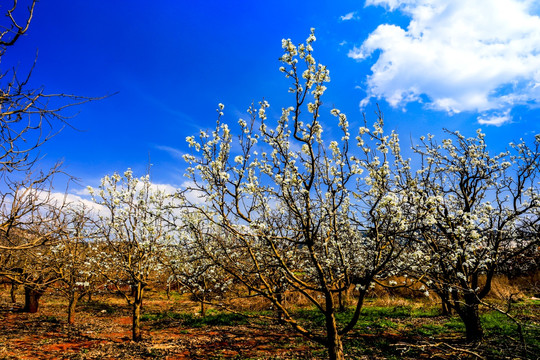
(31, 299)
(342, 299)
(333, 338)
(446, 309)
(136, 330)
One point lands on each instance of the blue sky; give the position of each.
(429, 64)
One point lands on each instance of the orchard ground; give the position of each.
(391, 327)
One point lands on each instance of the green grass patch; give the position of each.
(374, 312)
(429, 329)
(426, 312)
(375, 326)
(495, 323)
(190, 320)
(455, 324)
(315, 318)
(372, 320)
(499, 325)
(400, 312)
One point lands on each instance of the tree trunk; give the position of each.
(137, 304)
(446, 308)
(136, 330)
(281, 316)
(342, 300)
(71, 308)
(203, 309)
(333, 342)
(333, 339)
(31, 299)
(471, 319)
(13, 292)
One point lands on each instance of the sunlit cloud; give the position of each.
(456, 55)
(496, 120)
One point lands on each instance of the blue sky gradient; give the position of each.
(172, 62)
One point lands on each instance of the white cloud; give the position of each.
(61, 199)
(167, 189)
(81, 192)
(496, 120)
(457, 55)
(192, 195)
(83, 197)
(76, 200)
(348, 16)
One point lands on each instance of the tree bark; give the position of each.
(281, 317)
(31, 299)
(446, 308)
(71, 308)
(333, 338)
(334, 343)
(137, 336)
(342, 300)
(137, 304)
(203, 309)
(13, 292)
(471, 319)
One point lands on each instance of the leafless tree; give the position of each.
(29, 267)
(71, 258)
(29, 117)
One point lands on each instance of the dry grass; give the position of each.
(504, 289)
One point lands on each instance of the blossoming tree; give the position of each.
(189, 267)
(135, 229)
(286, 209)
(478, 211)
